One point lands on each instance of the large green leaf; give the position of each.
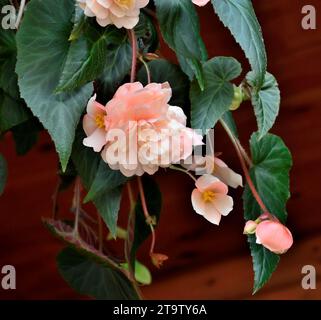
(264, 263)
(270, 174)
(105, 180)
(240, 18)
(85, 62)
(180, 28)
(93, 50)
(93, 276)
(162, 71)
(118, 61)
(12, 109)
(154, 205)
(3, 173)
(209, 105)
(43, 48)
(87, 163)
(266, 101)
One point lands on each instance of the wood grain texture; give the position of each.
(214, 261)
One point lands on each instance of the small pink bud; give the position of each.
(250, 227)
(274, 236)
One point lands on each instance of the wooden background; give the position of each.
(206, 262)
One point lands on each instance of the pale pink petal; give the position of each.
(223, 203)
(200, 3)
(206, 209)
(89, 124)
(93, 106)
(198, 202)
(274, 236)
(209, 182)
(96, 140)
(212, 214)
(227, 175)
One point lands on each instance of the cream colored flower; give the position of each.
(121, 13)
(210, 199)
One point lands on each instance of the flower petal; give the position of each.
(209, 182)
(223, 203)
(227, 175)
(96, 140)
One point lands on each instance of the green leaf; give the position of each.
(108, 205)
(118, 61)
(3, 173)
(230, 122)
(240, 18)
(87, 163)
(146, 34)
(12, 109)
(162, 71)
(209, 105)
(105, 180)
(142, 274)
(154, 205)
(180, 28)
(79, 24)
(264, 263)
(87, 56)
(26, 135)
(266, 101)
(83, 65)
(270, 173)
(93, 276)
(43, 48)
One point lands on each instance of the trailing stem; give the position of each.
(240, 152)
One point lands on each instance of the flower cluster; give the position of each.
(121, 13)
(138, 130)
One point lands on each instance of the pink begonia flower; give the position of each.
(121, 13)
(215, 166)
(274, 236)
(94, 124)
(210, 198)
(140, 130)
(200, 3)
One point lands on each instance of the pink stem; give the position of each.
(146, 214)
(244, 167)
(133, 40)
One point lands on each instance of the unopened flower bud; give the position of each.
(274, 236)
(250, 227)
(238, 98)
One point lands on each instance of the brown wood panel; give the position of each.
(198, 251)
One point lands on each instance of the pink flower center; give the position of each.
(208, 196)
(99, 120)
(125, 4)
